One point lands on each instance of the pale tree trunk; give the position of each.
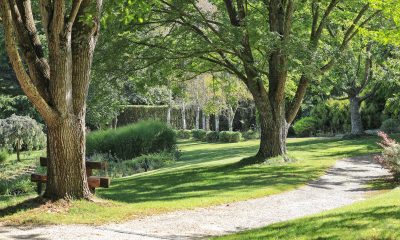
(207, 123)
(57, 87)
(216, 122)
(197, 126)
(203, 122)
(356, 121)
(184, 116)
(231, 117)
(169, 108)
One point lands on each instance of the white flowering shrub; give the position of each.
(390, 158)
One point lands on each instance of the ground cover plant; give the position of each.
(207, 174)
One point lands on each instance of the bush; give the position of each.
(183, 134)
(212, 136)
(22, 133)
(133, 140)
(305, 127)
(390, 158)
(3, 155)
(251, 134)
(229, 137)
(21, 184)
(199, 134)
(390, 126)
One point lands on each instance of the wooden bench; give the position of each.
(93, 181)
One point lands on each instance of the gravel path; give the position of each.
(343, 184)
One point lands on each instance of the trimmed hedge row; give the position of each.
(133, 140)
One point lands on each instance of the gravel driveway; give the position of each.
(343, 184)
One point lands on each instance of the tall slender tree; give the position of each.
(56, 84)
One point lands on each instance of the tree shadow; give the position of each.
(22, 206)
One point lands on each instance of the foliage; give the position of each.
(305, 127)
(19, 185)
(199, 134)
(183, 134)
(212, 136)
(18, 105)
(143, 163)
(251, 134)
(390, 125)
(229, 137)
(17, 132)
(4, 155)
(390, 158)
(332, 116)
(133, 140)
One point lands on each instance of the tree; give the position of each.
(17, 132)
(357, 82)
(56, 84)
(265, 44)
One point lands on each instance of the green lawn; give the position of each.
(375, 218)
(206, 175)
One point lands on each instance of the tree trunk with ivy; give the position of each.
(56, 84)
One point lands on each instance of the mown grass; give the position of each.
(375, 218)
(206, 175)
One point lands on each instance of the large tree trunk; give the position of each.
(356, 122)
(273, 134)
(57, 87)
(66, 167)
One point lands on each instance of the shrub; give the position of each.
(21, 132)
(305, 127)
(199, 134)
(251, 134)
(212, 136)
(133, 140)
(390, 126)
(183, 134)
(229, 137)
(390, 158)
(19, 185)
(3, 155)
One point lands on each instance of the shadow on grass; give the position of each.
(22, 206)
(343, 225)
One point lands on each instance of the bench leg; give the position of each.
(39, 188)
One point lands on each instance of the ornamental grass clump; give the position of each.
(390, 158)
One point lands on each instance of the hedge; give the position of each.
(229, 137)
(133, 140)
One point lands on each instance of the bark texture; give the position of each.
(356, 122)
(57, 84)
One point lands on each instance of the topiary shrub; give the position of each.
(3, 155)
(199, 134)
(390, 126)
(229, 137)
(212, 136)
(251, 134)
(305, 127)
(133, 140)
(183, 134)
